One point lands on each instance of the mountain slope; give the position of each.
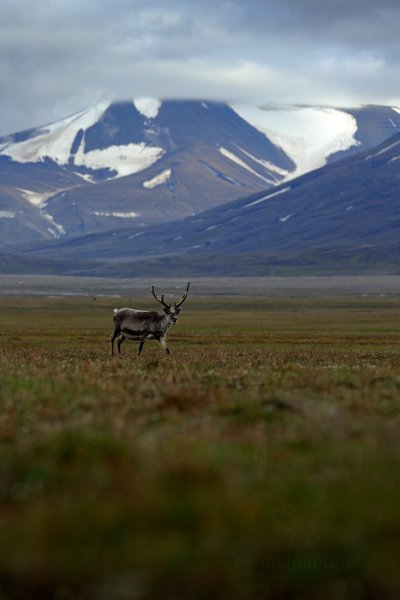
(345, 212)
(133, 164)
(148, 162)
(313, 136)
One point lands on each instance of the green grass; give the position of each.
(262, 460)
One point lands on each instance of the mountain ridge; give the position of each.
(344, 215)
(197, 196)
(127, 165)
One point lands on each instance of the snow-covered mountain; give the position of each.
(145, 162)
(343, 217)
(119, 139)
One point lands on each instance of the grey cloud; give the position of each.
(59, 57)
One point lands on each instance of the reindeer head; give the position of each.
(170, 310)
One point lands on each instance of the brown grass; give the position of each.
(261, 460)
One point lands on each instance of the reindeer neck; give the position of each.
(164, 322)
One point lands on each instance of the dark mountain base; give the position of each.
(319, 261)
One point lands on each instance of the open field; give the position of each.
(279, 287)
(262, 460)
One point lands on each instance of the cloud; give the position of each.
(58, 57)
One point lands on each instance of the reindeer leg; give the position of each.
(140, 347)
(121, 339)
(163, 344)
(112, 338)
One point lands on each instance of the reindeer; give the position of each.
(142, 325)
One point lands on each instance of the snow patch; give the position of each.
(39, 200)
(55, 140)
(308, 135)
(148, 107)
(36, 198)
(385, 149)
(7, 214)
(125, 160)
(284, 219)
(56, 230)
(158, 179)
(265, 163)
(242, 164)
(136, 235)
(282, 191)
(86, 177)
(120, 215)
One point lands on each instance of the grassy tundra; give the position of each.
(262, 460)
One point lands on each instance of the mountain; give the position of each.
(313, 136)
(345, 215)
(128, 165)
(141, 162)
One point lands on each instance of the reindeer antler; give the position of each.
(185, 295)
(160, 300)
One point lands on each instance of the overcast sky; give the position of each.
(61, 56)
